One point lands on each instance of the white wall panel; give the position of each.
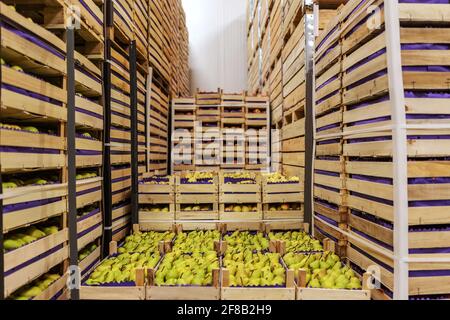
(218, 40)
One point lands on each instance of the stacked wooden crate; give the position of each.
(169, 52)
(233, 110)
(183, 139)
(294, 89)
(329, 191)
(254, 46)
(158, 129)
(257, 124)
(208, 132)
(265, 45)
(184, 86)
(276, 80)
(120, 132)
(141, 11)
(33, 141)
(168, 57)
(157, 199)
(197, 198)
(276, 65)
(89, 42)
(123, 21)
(367, 149)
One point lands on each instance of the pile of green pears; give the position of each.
(145, 242)
(86, 175)
(83, 254)
(30, 129)
(241, 240)
(180, 269)
(140, 250)
(323, 270)
(16, 240)
(14, 183)
(35, 288)
(196, 241)
(248, 269)
(122, 268)
(297, 241)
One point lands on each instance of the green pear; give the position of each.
(315, 265)
(31, 129)
(36, 233)
(29, 239)
(349, 273)
(314, 283)
(32, 292)
(10, 244)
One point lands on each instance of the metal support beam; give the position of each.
(107, 184)
(71, 156)
(134, 135)
(400, 149)
(309, 113)
(2, 258)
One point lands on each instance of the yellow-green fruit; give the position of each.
(11, 244)
(32, 292)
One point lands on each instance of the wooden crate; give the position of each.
(157, 193)
(89, 228)
(89, 152)
(329, 182)
(56, 289)
(279, 214)
(87, 264)
(211, 214)
(136, 292)
(29, 268)
(257, 111)
(154, 292)
(281, 193)
(15, 45)
(424, 281)
(304, 293)
(239, 193)
(30, 150)
(18, 217)
(89, 191)
(286, 292)
(226, 215)
(88, 113)
(293, 142)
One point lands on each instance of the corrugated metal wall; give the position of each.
(218, 44)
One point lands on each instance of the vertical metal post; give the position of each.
(309, 112)
(134, 135)
(71, 155)
(107, 184)
(2, 265)
(400, 150)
